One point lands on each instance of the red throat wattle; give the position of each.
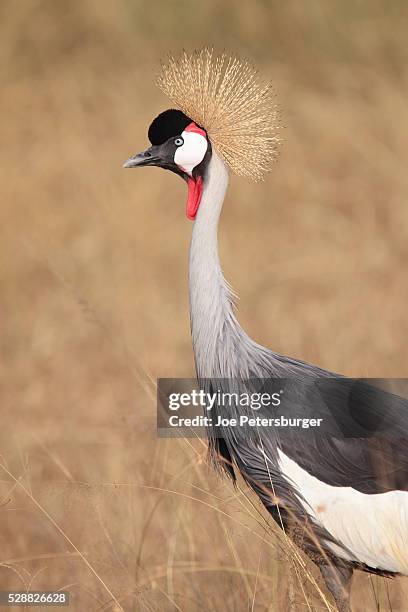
(195, 186)
(195, 190)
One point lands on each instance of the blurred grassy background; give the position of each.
(93, 269)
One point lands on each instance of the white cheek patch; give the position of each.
(192, 152)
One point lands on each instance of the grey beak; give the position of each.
(146, 158)
(157, 155)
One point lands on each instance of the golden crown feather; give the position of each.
(225, 96)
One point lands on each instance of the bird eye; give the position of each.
(179, 141)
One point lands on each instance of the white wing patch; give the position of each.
(192, 152)
(374, 528)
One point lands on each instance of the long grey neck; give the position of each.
(221, 347)
(216, 333)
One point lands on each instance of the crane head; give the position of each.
(178, 145)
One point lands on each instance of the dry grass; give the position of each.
(93, 268)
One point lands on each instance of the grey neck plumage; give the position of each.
(220, 345)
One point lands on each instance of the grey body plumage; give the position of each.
(223, 350)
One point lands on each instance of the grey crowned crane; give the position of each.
(342, 498)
